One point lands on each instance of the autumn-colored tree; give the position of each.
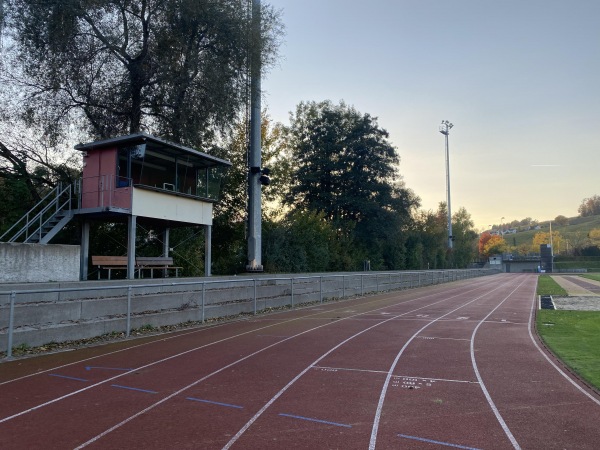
(590, 206)
(483, 239)
(495, 245)
(594, 236)
(491, 244)
(544, 238)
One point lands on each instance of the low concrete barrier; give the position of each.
(59, 312)
(35, 263)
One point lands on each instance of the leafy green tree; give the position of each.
(428, 240)
(345, 168)
(301, 242)
(561, 220)
(465, 239)
(176, 68)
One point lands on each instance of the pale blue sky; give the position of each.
(519, 79)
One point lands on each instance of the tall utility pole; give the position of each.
(445, 130)
(254, 157)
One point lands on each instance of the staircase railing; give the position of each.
(32, 223)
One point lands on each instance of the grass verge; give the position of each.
(547, 286)
(592, 276)
(573, 336)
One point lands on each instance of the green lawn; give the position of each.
(592, 276)
(574, 336)
(547, 286)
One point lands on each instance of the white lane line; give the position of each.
(347, 369)
(377, 418)
(120, 424)
(488, 397)
(287, 386)
(443, 338)
(212, 327)
(107, 380)
(569, 379)
(5, 419)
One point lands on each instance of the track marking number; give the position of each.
(411, 383)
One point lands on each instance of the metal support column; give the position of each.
(166, 248)
(131, 230)
(84, 250)
(254, 157)
(207, 250)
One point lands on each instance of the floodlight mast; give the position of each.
(445, 130)
(254, 157)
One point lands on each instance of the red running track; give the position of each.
(447, 366)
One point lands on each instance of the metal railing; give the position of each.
(33, 222)
(307, 289)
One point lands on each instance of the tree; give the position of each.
(590, 206)
(594, 236)
(561, 221)
(483, 240)
(544, 238)
(177, 68)
(494, 245)
(345, 168)
(465, 238)
(427, 242)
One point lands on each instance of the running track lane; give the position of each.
(321, 379)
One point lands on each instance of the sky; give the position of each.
(519, 79)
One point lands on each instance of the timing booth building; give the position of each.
(143, 179)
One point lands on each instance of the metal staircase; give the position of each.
(42, 222)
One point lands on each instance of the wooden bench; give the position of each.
(109, 263)
(156, 262)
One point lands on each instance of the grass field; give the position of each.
(592, 276)
(573, 336)
(547, 286)
(578, 227)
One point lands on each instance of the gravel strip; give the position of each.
(575, 303)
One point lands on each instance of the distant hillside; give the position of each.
(577, 230)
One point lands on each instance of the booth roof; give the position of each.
(154, 143)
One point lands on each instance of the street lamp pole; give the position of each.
(445, 130)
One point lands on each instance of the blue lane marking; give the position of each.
(214, 403)
(447, 444)
(68, 378)
(133, 389)
(316, 420)
(107, 368)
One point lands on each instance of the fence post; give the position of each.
(377, 282)
(254, 296)
(362, 288)
(343, 286)
(292, 290)
(11, 324)
(128, 332)
(202, 317)
(320, 289)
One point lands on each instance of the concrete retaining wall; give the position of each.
(58, 312)
(34, 263)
